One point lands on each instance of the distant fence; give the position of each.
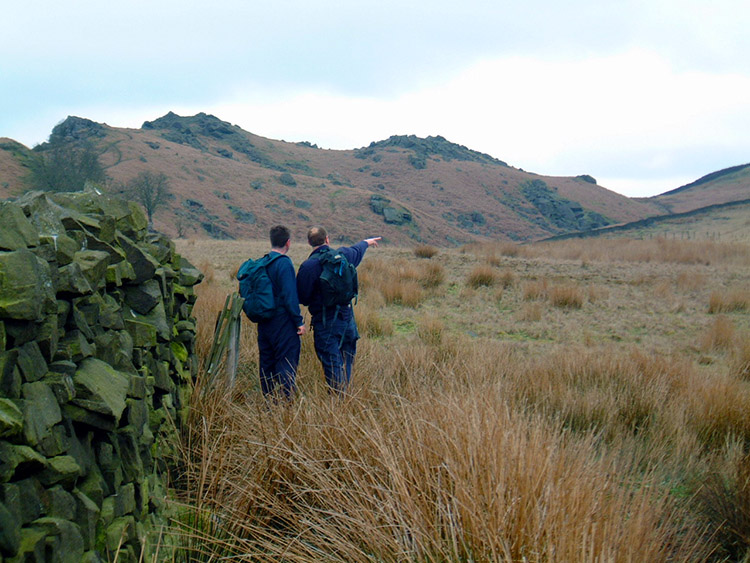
(654, 221)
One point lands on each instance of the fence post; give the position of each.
(233, 349)
(226, 340)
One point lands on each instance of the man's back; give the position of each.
(281, 273)
(308, 276)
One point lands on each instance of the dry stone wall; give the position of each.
(96, 361)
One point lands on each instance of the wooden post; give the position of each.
(233, 350)
(226, 341)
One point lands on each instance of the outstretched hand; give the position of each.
(301, 330)
(373, 241)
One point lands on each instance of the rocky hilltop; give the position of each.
(229, 183)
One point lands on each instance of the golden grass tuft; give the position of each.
(370, 323)
(729, 301)
(209, 273)
(663, 290)
(425, 251)
(482, 276)
(400, 282)
(535, 290)
(566, 296)
(507, 278)
(407, 293)
(719, 409)
(719, 336)
(432, 276)
(740, 357)
(530, 312)
(430, 329)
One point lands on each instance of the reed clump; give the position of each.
(371, 323)
(432, 275)
(399, 282)
(430, 329)
(566, 296)
(727, 301)
(535, 290)
(740, 356)
(720, 335)
(425, 251)
(507, 278)
(482, 276)
(723, 503)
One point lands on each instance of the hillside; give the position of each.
(728, 222)
(722, 186)
(229, 183)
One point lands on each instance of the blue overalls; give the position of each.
(335, 332)
(278, 342)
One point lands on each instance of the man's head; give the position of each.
(317, 236)
(279, 235)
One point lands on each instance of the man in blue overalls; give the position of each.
(334, 329)
(278, 337)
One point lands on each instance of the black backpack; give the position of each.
(338, 279)
(256, 288)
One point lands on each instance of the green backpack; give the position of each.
(256, 288)
(338, 280)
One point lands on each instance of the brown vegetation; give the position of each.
(726, 301)
(425, 251)
(492, 430)
(482, 275)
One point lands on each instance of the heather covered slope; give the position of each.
(229, 183)
(13, 157)
(722, 186)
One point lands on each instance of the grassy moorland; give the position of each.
(571, 401)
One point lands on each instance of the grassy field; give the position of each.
(573, 401)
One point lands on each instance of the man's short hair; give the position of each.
(279, 235)
(316, 236)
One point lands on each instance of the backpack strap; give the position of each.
(324, 257)
(267, 259)
(271, 256)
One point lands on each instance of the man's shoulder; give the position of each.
(315, 257)
(277, 262)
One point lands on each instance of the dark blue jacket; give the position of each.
(308, 277)
(281, 273)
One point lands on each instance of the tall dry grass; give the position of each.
(425, 251)
(719, 336)
(453, 447)
(740, 356)
(482, 276)
(727, 301)
(568, 296)
(443, 457)
(400, 281)
(658, 250)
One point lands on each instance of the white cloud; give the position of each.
(551, 117)
(634, 120)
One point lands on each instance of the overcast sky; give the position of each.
(644, 95)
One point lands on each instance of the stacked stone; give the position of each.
(96, 363)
